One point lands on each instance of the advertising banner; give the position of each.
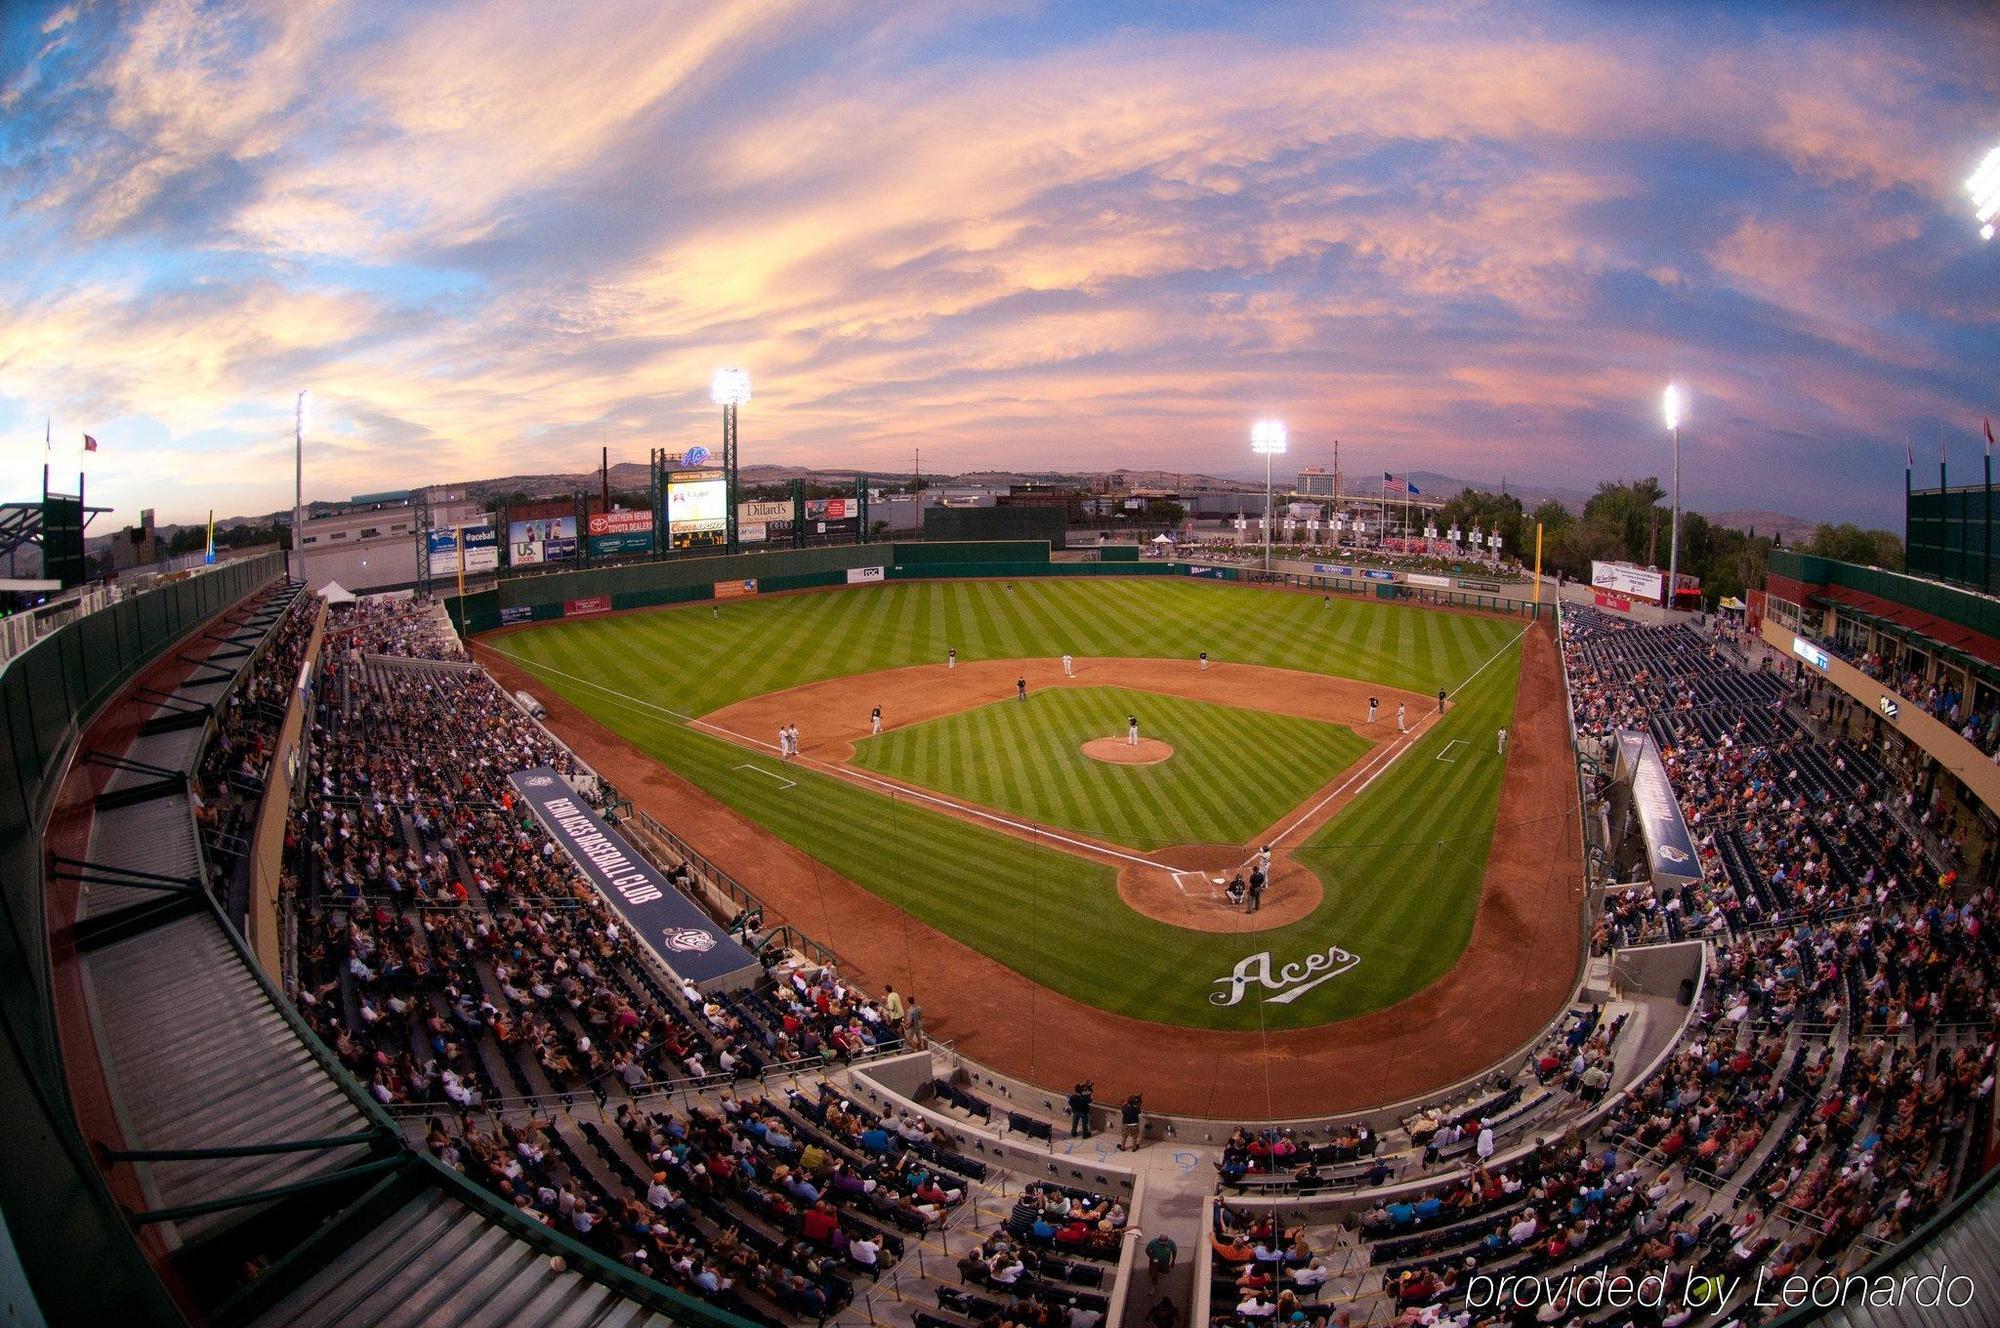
(683, 936)
(861, 575)
(573, 608)
(442, 546)
(833, 516)
(516, 613)
(546, 539)
(1425, 579)
(1811, 654)
(758, 522)
(735, 589)
(1333, 569)
(1378, 574)
(1625, 579)
(482, 548)
(1669, 846)
(697, 509)
(1616, 603)
(613, 534)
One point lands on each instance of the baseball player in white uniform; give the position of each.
(1503, 740)
(1204, 661)
(1069, 667)
(875, 720)
(784, 740)
(1132, 731)
(1401, 727)
(1373, 704)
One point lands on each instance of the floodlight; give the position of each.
(731, 387)
(1984, 186)
(1671, 403)
(1267, 437)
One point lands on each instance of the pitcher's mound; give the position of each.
(1117, 751)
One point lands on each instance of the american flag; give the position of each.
(89, 443)
(1399, 484)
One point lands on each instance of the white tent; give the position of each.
(1163, 539)
(335, 593)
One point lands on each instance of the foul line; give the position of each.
(788, 783)
(1397, 749)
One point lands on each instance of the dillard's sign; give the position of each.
(1290, 982)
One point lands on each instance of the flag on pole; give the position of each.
(1402, 483)
(89, 443)
(1909, 456)
(1989, 435)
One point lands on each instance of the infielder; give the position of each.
(951, 658)
(784, 740)
(1401, 727)
(1503, 740)
(1020, 689)
(875, 720)
(1132, 731)
(1204, 661)
(1069, 667)
(1373, 705)
(1440, 700)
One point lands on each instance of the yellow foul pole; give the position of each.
(1538, 569)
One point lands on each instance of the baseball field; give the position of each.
(978, 814)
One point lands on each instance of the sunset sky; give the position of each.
(1469, 238)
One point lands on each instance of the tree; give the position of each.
(1849, 543)
(1474, 509)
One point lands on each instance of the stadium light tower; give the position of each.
(729, 389)
(1984, 186)
(1671, 405)
(1267, 439)
(301, 423)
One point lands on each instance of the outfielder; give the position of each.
(1069, 667)
(1132, 731)
(875, 720)
(1503, 740)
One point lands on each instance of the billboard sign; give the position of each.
(833, 516)
(442, 548)
(1425, 579)
(482, 548)
(1616, 603)
(576, 608)
(516, 613)
(697, 509)
(1811, 654)
(615, 533)
(1333, 569)
(545, 539)
(736, 589)
(857, 576)
(1625, 579)
(686, 939)
(758, 522)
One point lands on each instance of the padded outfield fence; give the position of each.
(582, 593)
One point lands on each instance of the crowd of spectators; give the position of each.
(402, 627)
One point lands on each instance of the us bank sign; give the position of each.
(1290, 981)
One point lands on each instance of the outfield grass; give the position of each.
(1402, 863)
(1233, 773)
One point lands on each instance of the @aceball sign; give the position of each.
(688, 940)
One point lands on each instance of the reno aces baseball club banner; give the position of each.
(1669, 846)
(683, 936)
